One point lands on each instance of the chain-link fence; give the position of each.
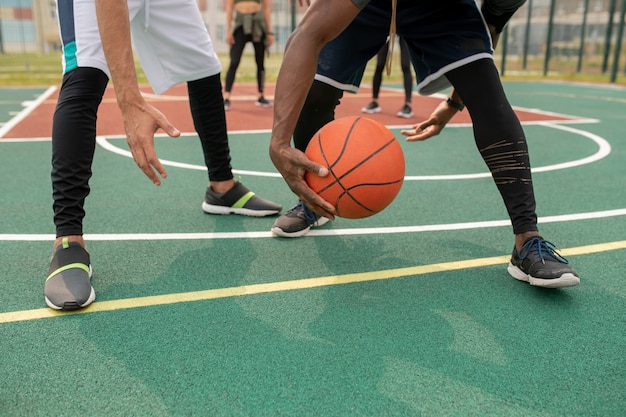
(544, 38)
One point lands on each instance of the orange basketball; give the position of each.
(366, 165)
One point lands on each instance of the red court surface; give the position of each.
(244, 115)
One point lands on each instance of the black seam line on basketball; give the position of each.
(338, 179)
(345, 143)
(347, 193)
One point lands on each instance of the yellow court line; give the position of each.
(155, 300)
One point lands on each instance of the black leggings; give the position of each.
(74, 139)
(240, 40)
(405, 64)
(497, 132)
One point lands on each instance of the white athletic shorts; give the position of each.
(169, 37)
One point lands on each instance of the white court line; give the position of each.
(318, 232)
(32, 105)
(604, 149)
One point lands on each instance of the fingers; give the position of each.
(142, 147)
(146, 159)
(314, 201)
(424, 130)
(168, 128)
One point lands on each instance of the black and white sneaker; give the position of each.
(297, 221)
(238, 200)
(538, 263)
(405, 112)
(263, 102)
(373, 107)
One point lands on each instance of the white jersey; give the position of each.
(169, 37)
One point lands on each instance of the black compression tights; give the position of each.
(236, 51)
(405, 65)
(497, 132)
(73, 145)
(500, 139)
(74, 136)
(207, 110)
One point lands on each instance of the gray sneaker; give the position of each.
(297, 221)
(538, 263)
(238, 200)
(68, 285)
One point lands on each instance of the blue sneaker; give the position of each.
(538, 263)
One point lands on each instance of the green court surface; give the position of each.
(407, 313)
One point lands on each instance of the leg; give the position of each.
(224, 195)
(236, 52)
(319, 109)
(205, 101)
(377, 80)
(259, 57)
(501, 141)
(73, 144)
(405, 64)
(407, 76)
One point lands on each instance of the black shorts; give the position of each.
(441, 35)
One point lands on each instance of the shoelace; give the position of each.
(309, 216)
(543, 249)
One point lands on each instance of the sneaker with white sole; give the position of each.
(373, 107)
(297, 221)
(238, 200)
(68, 285)
(262, 102)
(538, 263)
(405, 112)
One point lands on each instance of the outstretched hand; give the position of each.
(141, 121)
(433, 126)
(292, 164)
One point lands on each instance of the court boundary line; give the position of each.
(289, 285)
(34, 237)
(604, 149)
(32, 105)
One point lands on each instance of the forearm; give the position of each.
(324, 20)
(267, 14)
(292, 85)
(229, 15)
(114, 26)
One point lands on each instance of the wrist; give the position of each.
(455, 104)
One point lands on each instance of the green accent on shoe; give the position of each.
(65, 242)
(243, 200)
(69, 266)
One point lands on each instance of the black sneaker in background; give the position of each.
(262, 102)
(405, 112)
(373, 107)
